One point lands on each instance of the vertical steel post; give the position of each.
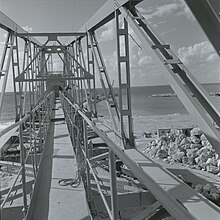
(87, 95)
(35, 145)
(11, 44)
(40, 129)
(24, 84)
(88, 181)
(103, 75)
(124, 82)
(113, 182)
(91, 69)
(31, 140)
(4, 54)
(15, 72)
(22, 156)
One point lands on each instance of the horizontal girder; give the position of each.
(59, 34)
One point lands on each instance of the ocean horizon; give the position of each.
(150, 111)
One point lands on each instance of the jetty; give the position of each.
(68, 162)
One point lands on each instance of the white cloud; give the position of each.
(175, 8)
(185, 10)
(202, 60)
(212, 57)
(28, 29)
(197, 53)
(145, 60)
(108, 33)
(163, 10)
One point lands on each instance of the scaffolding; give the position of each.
(75, 86)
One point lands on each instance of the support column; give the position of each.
(22, 153)
(91, 69)
(88, 183)
(124, 83)
(113, 182)
(8, 47)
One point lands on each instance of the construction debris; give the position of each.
(194, 151)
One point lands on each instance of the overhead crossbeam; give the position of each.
(53, 78)
(60, 34)
(52, 49)
(105, 14)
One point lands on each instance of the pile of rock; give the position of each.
(194, 151)
(209, 191)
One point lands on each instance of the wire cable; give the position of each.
(72, 182)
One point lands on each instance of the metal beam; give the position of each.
(59, 34)
(9, 25)
(208, 19)
(128, 200)
(51, 78)
(105, 14)
(124, 82)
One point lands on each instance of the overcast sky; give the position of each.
(170, 18)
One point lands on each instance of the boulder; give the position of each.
(191, 153)
(211, 161)
(199, 188)
(207, 187)
(204, 157)
(184, 141)
(196, 132)
(216, 196)
(185, 146)
(203, 138)
(162, 154)
(197, 160)
(180, 138)
(195, 140)
(153, 151)
(193, 145)
(178, 156)
(185, 160)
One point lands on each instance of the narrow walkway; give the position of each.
(53, 201)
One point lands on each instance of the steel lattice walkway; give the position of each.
(62, 134)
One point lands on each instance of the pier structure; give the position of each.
(62, 139)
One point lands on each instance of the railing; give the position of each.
(78, 122)
(33, 128)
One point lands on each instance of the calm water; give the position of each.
(148, 111)
(145, 103)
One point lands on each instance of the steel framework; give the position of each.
(37, 84)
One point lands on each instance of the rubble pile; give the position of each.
(208, 190)
(194, 151)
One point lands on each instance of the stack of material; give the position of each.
(194, 151)
(208, 190)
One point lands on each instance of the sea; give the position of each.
(151, 108)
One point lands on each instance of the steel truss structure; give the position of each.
(37, 85)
